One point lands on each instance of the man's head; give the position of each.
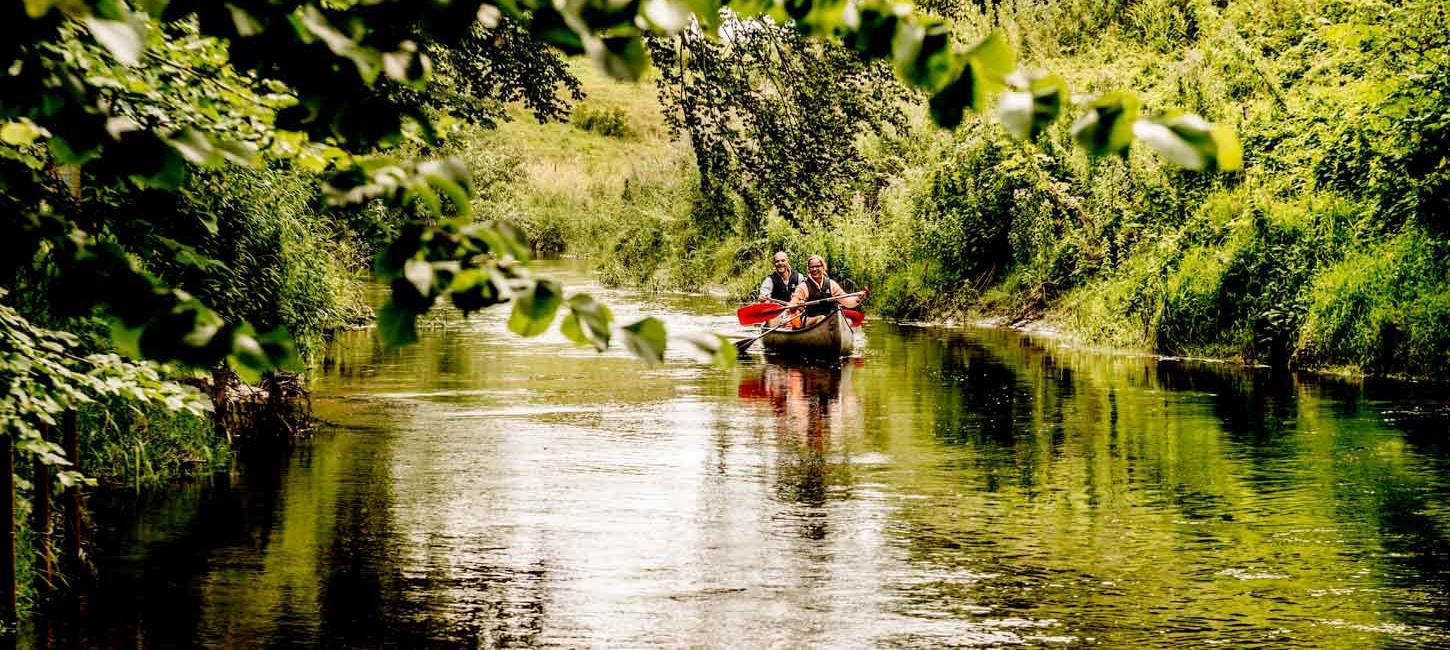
(816, 266)
(781, 262)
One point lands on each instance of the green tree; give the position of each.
(775, 118)
(328, 83)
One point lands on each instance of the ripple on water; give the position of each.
(953, 488)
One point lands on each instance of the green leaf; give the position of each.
(310, 21)
(1036, 103)
(1107, 126)
(994, 57)
(38, 8)
(534, 307)
(127, 339)
(194, 146)
(966, 92)
(875, 30)
(280, 349)
(1228, 153)
(187, 333)
(621, 57)
(248, 358)
(549, 26)
(168, 172)
(707, 12)
(124, 39)
(645, 339)
(453, 178)
(419, 273)
(666, 15)
(824, 16)
(1189, 141)
(406, 65)
(390, 260)
(241, 153)
(924, 57)
(499, 238)
(21, 133)
(714, 349)
(1172, 146)
(397, 326)
(154, 8)
(188, 256)
(246, 25)
(473, 290)
(587, 322)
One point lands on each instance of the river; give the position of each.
(945, 487)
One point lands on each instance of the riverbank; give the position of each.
(1327, 252)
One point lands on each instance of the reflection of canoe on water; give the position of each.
(830, 338)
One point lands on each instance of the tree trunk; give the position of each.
(73, 497)
(40, 523)
(7, 539)
(220, 375)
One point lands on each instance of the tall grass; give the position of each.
(1325, 251)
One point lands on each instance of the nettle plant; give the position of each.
(134, 94)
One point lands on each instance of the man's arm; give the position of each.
(765, 289)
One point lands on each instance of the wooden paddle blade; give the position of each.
(743, 345)
(758, 313)
(853, 317)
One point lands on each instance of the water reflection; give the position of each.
(947, 488)
(807, 403)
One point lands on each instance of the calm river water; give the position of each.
(943, 488)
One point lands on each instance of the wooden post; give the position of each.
(7, 539)
(219, 377)
(40, 523)
(73, 497)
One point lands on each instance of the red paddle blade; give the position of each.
(853, 317)
(758, 313)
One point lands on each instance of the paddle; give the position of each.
(764, 311)
(852, 316)
(744, 344)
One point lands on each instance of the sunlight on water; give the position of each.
(944, 488)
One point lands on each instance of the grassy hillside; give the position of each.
(571, 185)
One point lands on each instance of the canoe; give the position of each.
(830, 338)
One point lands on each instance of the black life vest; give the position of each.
(815, 293)
(782, 290)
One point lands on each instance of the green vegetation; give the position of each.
(1327, 250)
(200, 184)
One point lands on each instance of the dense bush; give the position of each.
(1324, 251)
(258, 245)
(609, 121)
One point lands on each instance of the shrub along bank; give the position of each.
(1327, 250)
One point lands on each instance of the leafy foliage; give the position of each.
(773, 118)
(329, 78)
(40, 378)
(608, 121)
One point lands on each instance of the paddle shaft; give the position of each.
(761, 312)
(855, 317)
(744, 344)
(844, 295)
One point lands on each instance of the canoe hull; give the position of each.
(831, 338)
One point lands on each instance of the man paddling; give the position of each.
(819, 287)
(779, 286)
